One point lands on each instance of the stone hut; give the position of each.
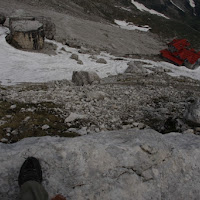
(26, 33)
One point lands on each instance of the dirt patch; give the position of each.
(21, 120)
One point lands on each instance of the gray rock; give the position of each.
(15, 132)
(2, 19)
(192, 114)
(45, 127)
(4, 140)
(121, 165)
(74, 56)
(80, 62)
(101, 60)
(84, 77)
(136, 67)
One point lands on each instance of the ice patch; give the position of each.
(141, 7)
(131, 26)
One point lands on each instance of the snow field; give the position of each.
(18, 66)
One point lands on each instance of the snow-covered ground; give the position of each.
(141, 7)
(131, 26)
(18, 66)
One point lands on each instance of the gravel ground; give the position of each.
(118, 102)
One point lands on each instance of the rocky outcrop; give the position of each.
(132, 164)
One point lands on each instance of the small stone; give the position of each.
(63, 49)
(97, 130)
(13, 107)
(189, 131)
(26, 119)
(126, 127)
(73, 116)
(4, 140)
(141, 126)
(14, 132)
(72, 130)
(45, 127)
(8, 134)
(197, 130)
(8, 116)
(83, 131)
(8, 130)
(2, 122)
(98, 95)
(135, 124)
(126, 93)
(75, 57)
(80, 62)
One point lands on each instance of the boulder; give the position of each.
(192, 114)
(136, 67)
(84, 77)
(74, 57)
(101, 60)
(127, 164)
(2, 19)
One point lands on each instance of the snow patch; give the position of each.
(176, 71)
(131, 26)
(123, 8)
(142, 8)
(177, 6)
(192, 3)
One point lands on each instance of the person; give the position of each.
(30, 181)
